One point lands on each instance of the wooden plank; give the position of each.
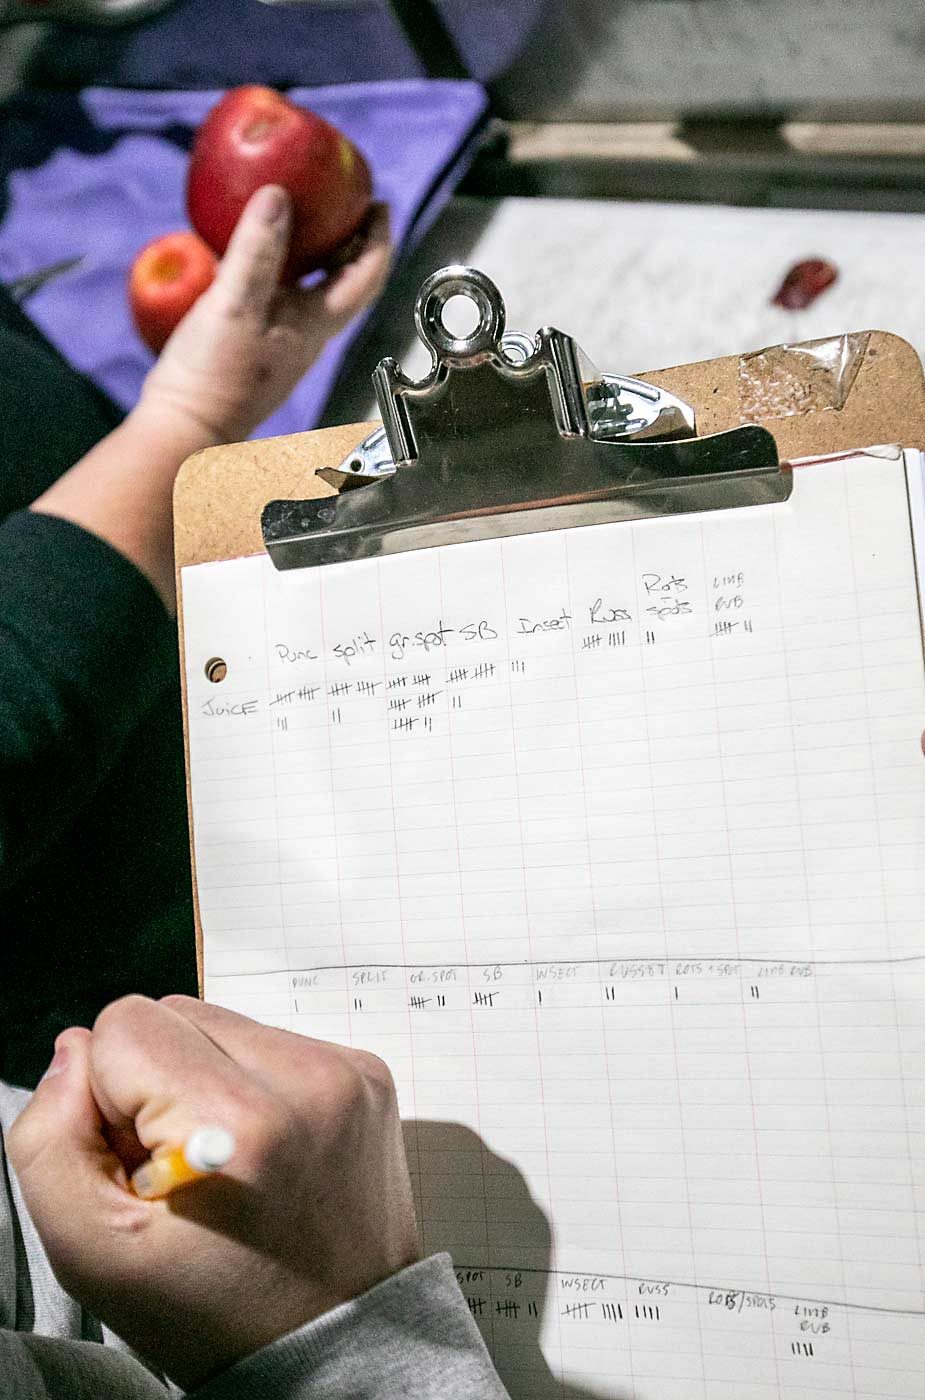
(677, 141)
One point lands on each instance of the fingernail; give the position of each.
(58, 1064)
(272, 204)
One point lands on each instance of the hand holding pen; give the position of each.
(275, 1166)
(205, 1151)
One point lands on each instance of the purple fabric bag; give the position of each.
(115, 193)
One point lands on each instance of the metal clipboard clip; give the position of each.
(507, 436)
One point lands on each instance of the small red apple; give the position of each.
(166, 278)
(256, 137)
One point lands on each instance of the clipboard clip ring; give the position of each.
(509, 435)
(430, 304)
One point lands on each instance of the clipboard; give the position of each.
(815, 398)
(591, 449)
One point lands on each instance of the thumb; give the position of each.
(58, 1149)
(248, 275)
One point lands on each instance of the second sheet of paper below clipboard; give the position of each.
(610, 841)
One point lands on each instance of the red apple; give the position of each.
(255, 137)
(166, 278)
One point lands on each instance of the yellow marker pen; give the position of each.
(205, 1151)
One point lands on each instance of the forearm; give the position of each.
(122, 490)
(410, 1336)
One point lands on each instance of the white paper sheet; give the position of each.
(610, 842)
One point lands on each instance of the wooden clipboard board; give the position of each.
(816, 398)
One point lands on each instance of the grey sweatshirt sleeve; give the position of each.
(50, 1349)
(47, 1368)
(411, 1337)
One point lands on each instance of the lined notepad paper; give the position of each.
(610, 841)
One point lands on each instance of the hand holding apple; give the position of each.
(247, 341)
(253, 137)
(234, 358)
